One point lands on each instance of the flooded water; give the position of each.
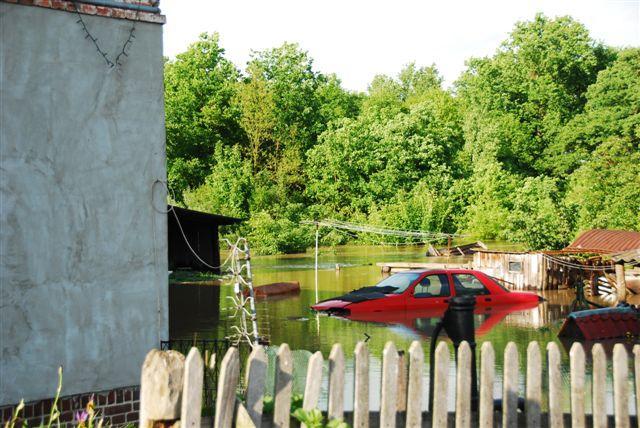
(289, 319)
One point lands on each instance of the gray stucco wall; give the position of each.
(83, 271)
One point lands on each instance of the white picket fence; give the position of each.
(171, 389)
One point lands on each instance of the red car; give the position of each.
(420, 290)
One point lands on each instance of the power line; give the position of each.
(379, 230)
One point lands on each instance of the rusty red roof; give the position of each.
(605, 241)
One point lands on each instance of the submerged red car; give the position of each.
(425, 289)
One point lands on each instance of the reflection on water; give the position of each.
(290, 320)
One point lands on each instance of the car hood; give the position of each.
(326, 305)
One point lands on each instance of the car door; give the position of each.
(432, 292)
(467, 284)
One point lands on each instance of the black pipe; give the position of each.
(122, 5)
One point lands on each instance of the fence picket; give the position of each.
(533, 399)
(313, 382)
(555, 386)
(487, 376)
(389, 396)
(402, 382)
(636, 353)
(414, 387)
(510, 386)
(620, 386)
(193, 377)
(227, 383)
(440, 386)
(255, 379)
(577, 365)
(463, 386)
(361, 387)
(599, 386)
(161, 383)
(284, 384)
(336, 383)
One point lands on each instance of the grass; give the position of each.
(192, 276)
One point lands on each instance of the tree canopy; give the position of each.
(532, 144)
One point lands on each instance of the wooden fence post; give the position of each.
(414, 388)
(255, 379)
(487, 377)
(191, 413)
(533, 403)
(361, 387)
(313, 382)
(440, 386)
(599, 386)
(161, 384)
(510, 386)
(576, 365)
(463, 386)
(636, 353)
(336, 383)
(620, 386)
(284, 384)
(227, 383)
(389, 396)
(555, 386)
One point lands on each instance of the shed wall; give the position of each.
(83, 271)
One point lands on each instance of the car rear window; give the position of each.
(467, 284)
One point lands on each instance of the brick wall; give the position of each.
(89, 9)
(117, 407)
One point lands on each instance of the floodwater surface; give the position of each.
(289, 319)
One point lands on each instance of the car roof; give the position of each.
(421, 271)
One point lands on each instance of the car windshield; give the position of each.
(399, 282)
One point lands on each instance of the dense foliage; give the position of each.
(531, 145)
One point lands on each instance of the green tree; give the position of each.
(199, 87)
(534, 84)
(605, 191)
(227, 189)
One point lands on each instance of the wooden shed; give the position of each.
(198, 230)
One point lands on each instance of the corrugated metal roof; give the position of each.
(605, 241)
(631, 256)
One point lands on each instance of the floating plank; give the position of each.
(361, 387)
(190, 415)
(313, 382)
(440, 386)
(336, 383)
(463, 386)
(402, 266)
(487, 377)
(599, 386)
(284, 384)
(255, 380)
(620, 386)
(414, 387)
(533, 399)
(227, 384)
(389, 396)
(510, 386)
(555, 386)
(577, 365)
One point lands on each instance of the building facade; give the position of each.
(83, 272)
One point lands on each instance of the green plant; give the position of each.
(87, 418)
(313, 419)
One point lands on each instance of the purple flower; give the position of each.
(82, 416)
